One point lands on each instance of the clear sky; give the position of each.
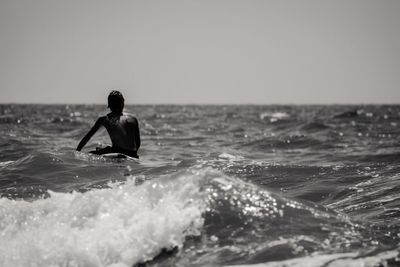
(203, 51)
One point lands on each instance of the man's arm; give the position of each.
(89, 135)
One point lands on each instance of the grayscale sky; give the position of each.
(203, 51)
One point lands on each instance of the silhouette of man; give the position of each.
(123, 129)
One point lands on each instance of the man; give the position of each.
(123, 129)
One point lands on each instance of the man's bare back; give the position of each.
(121, 129)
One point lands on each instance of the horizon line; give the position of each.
(210, 104)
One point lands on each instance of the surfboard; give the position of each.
(116, 156)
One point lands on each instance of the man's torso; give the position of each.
(121, 129)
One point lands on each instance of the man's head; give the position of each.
(116, 101)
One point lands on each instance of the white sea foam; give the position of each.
(273, 116)
(117, 226)
(229, 157)
(6, 163)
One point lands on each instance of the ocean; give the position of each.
(215, 185)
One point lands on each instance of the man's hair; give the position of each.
(116, 101)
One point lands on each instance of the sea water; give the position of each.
(216, 185)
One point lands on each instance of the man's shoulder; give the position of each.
(130, 117)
